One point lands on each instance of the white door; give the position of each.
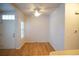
(8, 34)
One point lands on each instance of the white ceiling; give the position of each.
(45, 8)
(6, 7)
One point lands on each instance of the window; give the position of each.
(8, 17)
(22, 29)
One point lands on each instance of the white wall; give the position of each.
(71, 25)
(56, 28)
(19, 17)
(37, 29)
(27, 28)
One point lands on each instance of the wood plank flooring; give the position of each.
(29, 49)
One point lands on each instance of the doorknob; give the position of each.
(77, 13)
(0, 34)
(14, 35)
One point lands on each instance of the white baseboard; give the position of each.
(34, 41)
(30, 42)
(21, 45)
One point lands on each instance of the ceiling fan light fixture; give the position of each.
(36, 13)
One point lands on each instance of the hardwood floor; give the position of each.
(29, 49)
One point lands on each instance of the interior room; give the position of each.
(38, 29)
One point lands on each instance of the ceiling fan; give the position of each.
(37, 12)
